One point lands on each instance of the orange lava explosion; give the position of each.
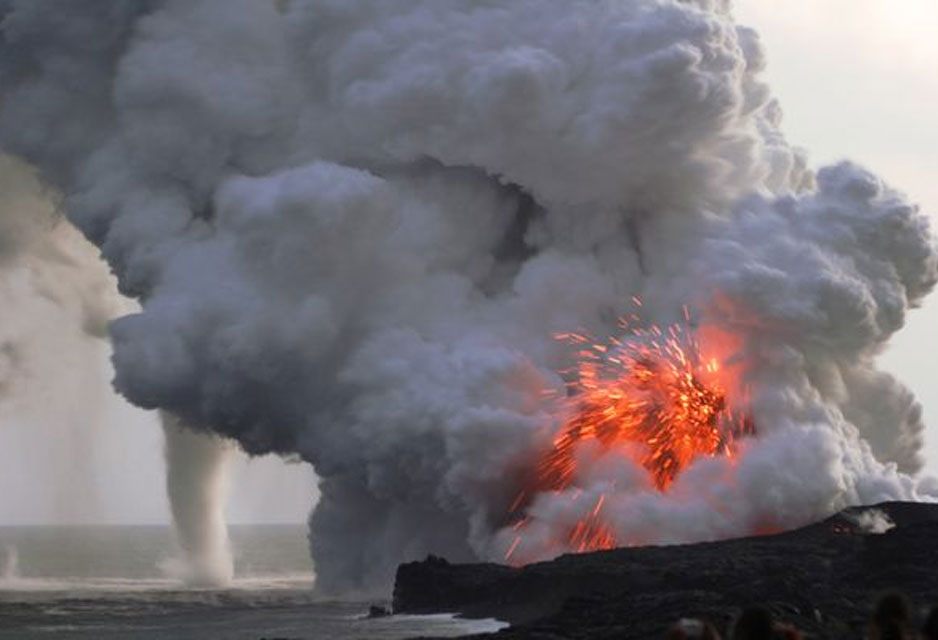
(653, 391)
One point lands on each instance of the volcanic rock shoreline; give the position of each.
(823, 578)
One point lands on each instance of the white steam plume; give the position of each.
(197, 475)
(871, 521)
(355, 225)
(57, 298)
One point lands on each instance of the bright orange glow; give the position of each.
(653, 393)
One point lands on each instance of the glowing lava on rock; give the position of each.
(651, 394)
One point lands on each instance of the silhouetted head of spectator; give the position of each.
(692, 629)
(754, 623)
(930, 628)
(785, 631)
(890, 617)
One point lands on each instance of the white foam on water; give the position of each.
(468, 625)
(437, 625)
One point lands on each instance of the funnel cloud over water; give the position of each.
(197, 475)
(355, 228)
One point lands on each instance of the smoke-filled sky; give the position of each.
(855, 78)
(400, 350)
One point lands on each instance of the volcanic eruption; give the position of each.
(653, 396)
(355, 229)
(654, 388)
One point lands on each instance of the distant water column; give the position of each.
(198, 468)
(11, 565)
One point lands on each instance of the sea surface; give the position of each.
(107, 582)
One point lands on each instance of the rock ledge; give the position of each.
(823, 578)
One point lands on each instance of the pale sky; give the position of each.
(857, 79)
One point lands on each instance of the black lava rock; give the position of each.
(822, 578)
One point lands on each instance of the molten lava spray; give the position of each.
(652, 389)
(355, 227)
(652, 396)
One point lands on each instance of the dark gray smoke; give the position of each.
(355, 225)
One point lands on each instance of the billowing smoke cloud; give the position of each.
(197, 476)
(354, 227)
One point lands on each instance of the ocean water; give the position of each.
(107, 583)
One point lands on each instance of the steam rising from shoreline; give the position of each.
(354, 227)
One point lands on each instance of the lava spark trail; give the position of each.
(652, 390)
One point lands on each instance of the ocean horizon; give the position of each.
(121, 582)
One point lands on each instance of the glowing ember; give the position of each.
(652, 391)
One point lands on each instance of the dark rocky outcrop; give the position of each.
(823, 578)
